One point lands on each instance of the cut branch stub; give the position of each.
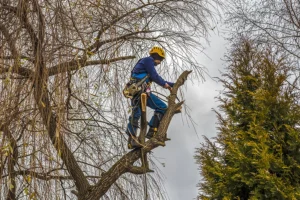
(172, 107)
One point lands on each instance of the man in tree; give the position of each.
(144, 67)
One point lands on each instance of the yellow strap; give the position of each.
(144, 101)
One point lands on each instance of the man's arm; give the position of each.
(149, 66)
(170, 83)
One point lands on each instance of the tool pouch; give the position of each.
(131, 89)
(134, 86)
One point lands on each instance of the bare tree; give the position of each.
(272, 22)
(62, 68)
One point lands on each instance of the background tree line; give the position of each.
(255, 154)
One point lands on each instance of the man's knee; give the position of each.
(161, 107)
(161, 110)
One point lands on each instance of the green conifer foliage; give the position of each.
(256, 154)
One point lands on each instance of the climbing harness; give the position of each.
(134, 86)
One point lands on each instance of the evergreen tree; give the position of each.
(256, 154)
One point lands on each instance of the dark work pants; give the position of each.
(153, 102)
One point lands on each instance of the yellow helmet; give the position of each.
(159, 51)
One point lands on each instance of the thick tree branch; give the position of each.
(26, 73)
(44, 176)
(139, 170)
(20, 56)
(44, 106)
(80, 63)
(122, 37)
(60, 145)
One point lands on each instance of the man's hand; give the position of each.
(167, 86)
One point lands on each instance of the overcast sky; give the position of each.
(179, 169)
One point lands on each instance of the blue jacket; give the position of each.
(146, 66)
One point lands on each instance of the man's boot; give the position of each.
(151, 132)
(156, 121)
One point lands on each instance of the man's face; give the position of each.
(157, 62)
